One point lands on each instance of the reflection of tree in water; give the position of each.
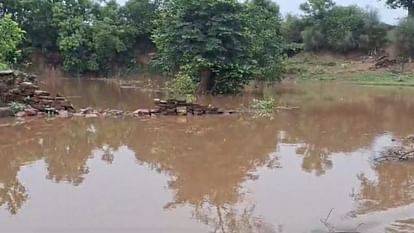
(343, 127)
(12, 195)
(315, 159)
(227, 219)
(207, 159)
(393, 187)
(401, 226)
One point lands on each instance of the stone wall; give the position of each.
(16, 86)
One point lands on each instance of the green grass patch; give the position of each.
(3, 66)
(383, 79)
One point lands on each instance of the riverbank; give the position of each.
(357, 69)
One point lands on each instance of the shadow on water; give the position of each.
(211, 174)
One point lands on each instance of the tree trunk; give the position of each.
(411, 10)
(205, 81)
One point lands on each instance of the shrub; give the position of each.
(181, 87)
(343, 25)
(341, 28)
(374, 33)
(404, 35)
(313, 38)
(17, 107)
(292, 28)
(263, 107)
(11, 35)
(3, 66)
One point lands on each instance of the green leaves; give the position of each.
(336, 28)
(231, 39)
(404, 35)
(11, 35)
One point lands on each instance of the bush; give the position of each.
(341, 28)
(11, 35)
(3, 66)
(181, 87)
(292, 28)
(263, 107)
(374, 33)
(313, 39)
(17, 107)
(404, 35)
(343, 25)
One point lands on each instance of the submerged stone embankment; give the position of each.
(21, 96)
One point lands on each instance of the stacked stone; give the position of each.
(15, 86)
(178, 107)
(20, 87)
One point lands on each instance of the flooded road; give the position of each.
(212, 174)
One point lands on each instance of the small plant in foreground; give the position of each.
(263, 107)
(17, 107)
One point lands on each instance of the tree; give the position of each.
(341, 28)
(404, 35)
(207, 36)
(264, 31)
(10, 37)
(407, 4)
(317, 9)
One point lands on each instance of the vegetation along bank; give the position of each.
(207, 46)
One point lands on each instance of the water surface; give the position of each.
(211, 174)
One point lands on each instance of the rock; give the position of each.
(20, 114)
(31, 111)
(6, 73)
(155, 111)
(63, 114)
(142, 112)
(41, 114)
(182, 111)
(86, 110)
(50, 111)
(91, 115)
(41, 93)
(6, 112)
(78, 114)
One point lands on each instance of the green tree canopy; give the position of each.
(222, 43)
(10, 37)
(208, 35)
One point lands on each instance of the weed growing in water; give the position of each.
(263, 107)
(17, 107)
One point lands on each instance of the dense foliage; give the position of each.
(11, 36)
(221, 44)
(90, 36)
(337, 28)
(214, 46)
(265, 38)
(404, 35)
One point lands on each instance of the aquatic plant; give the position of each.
(17, 107)
(263, 107)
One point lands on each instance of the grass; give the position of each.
(383, 79)
(313, 67)
(3, 66)
(308, 67)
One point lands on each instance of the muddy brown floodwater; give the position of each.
(211, 174)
